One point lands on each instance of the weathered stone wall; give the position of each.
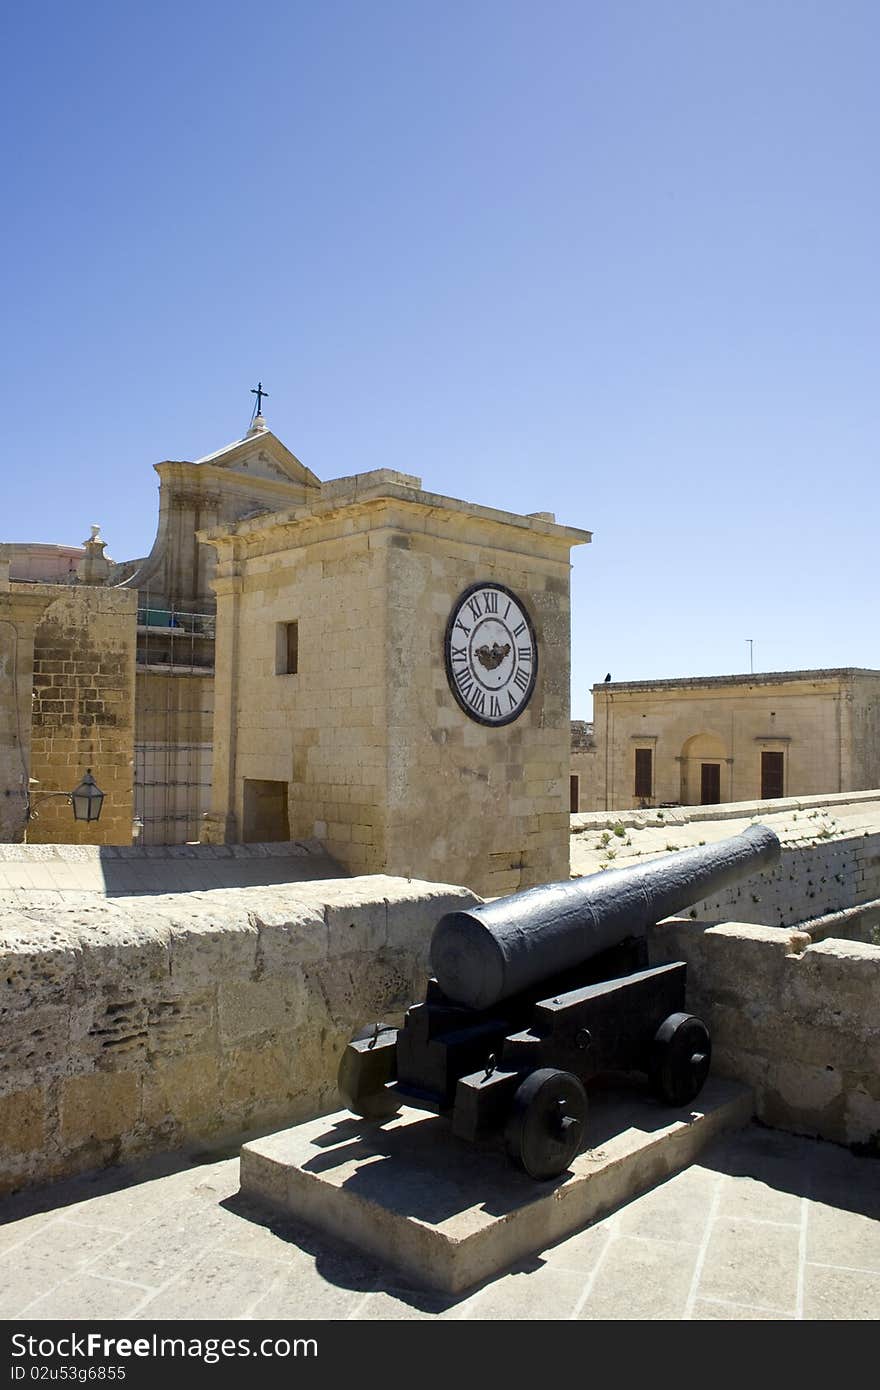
(797, 1020)
(66, 704)
(83, 713)
(483, 806)
(863, 765)
(143, 1025)
(16, 677)
(584, 765)
(321, 730)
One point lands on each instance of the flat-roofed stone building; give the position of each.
(710, 739)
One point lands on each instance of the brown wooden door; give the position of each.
(710, 784)
(574, 793)
(772, 775)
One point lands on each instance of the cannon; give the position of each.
(535, 995)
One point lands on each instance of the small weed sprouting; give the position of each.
(619, 830)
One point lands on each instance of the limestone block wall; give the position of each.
(66, 704)
(83, 713)
(480, 805)
(141, 1025)
(16, 666)
(796, 1020)
(321, 730)
(583, 764)
(863, 764)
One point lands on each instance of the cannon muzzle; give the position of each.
(488, 953)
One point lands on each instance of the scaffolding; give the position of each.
(174, 719)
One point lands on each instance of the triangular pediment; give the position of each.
(262, 455)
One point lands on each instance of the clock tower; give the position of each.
(392, 675)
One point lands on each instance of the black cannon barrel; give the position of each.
(488, 953)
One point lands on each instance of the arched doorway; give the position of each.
(705, 774)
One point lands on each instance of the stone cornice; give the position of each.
(205, 476)
(697, 683)
(365, 496)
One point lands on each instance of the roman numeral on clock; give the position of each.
(520, 678)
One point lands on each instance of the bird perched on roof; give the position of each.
(607, 679)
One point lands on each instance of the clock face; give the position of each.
(491, 654)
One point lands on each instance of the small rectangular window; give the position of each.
(772, 775)
(644, 772)
(286, 649)
(574, 793)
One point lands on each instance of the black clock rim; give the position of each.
(447, 644)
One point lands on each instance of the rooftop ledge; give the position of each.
(385, 484)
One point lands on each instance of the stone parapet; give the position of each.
(135, 1027)
(830, 860)
(794, 1019)
(731, 810)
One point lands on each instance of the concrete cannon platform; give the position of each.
(451, 1216)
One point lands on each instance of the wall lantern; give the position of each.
(87, 799)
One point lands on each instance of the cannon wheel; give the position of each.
(546, 1122)
(368, 1063)
(680, 1057)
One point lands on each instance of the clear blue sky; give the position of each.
(615, 260)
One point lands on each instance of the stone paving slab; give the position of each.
(676, 1252)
